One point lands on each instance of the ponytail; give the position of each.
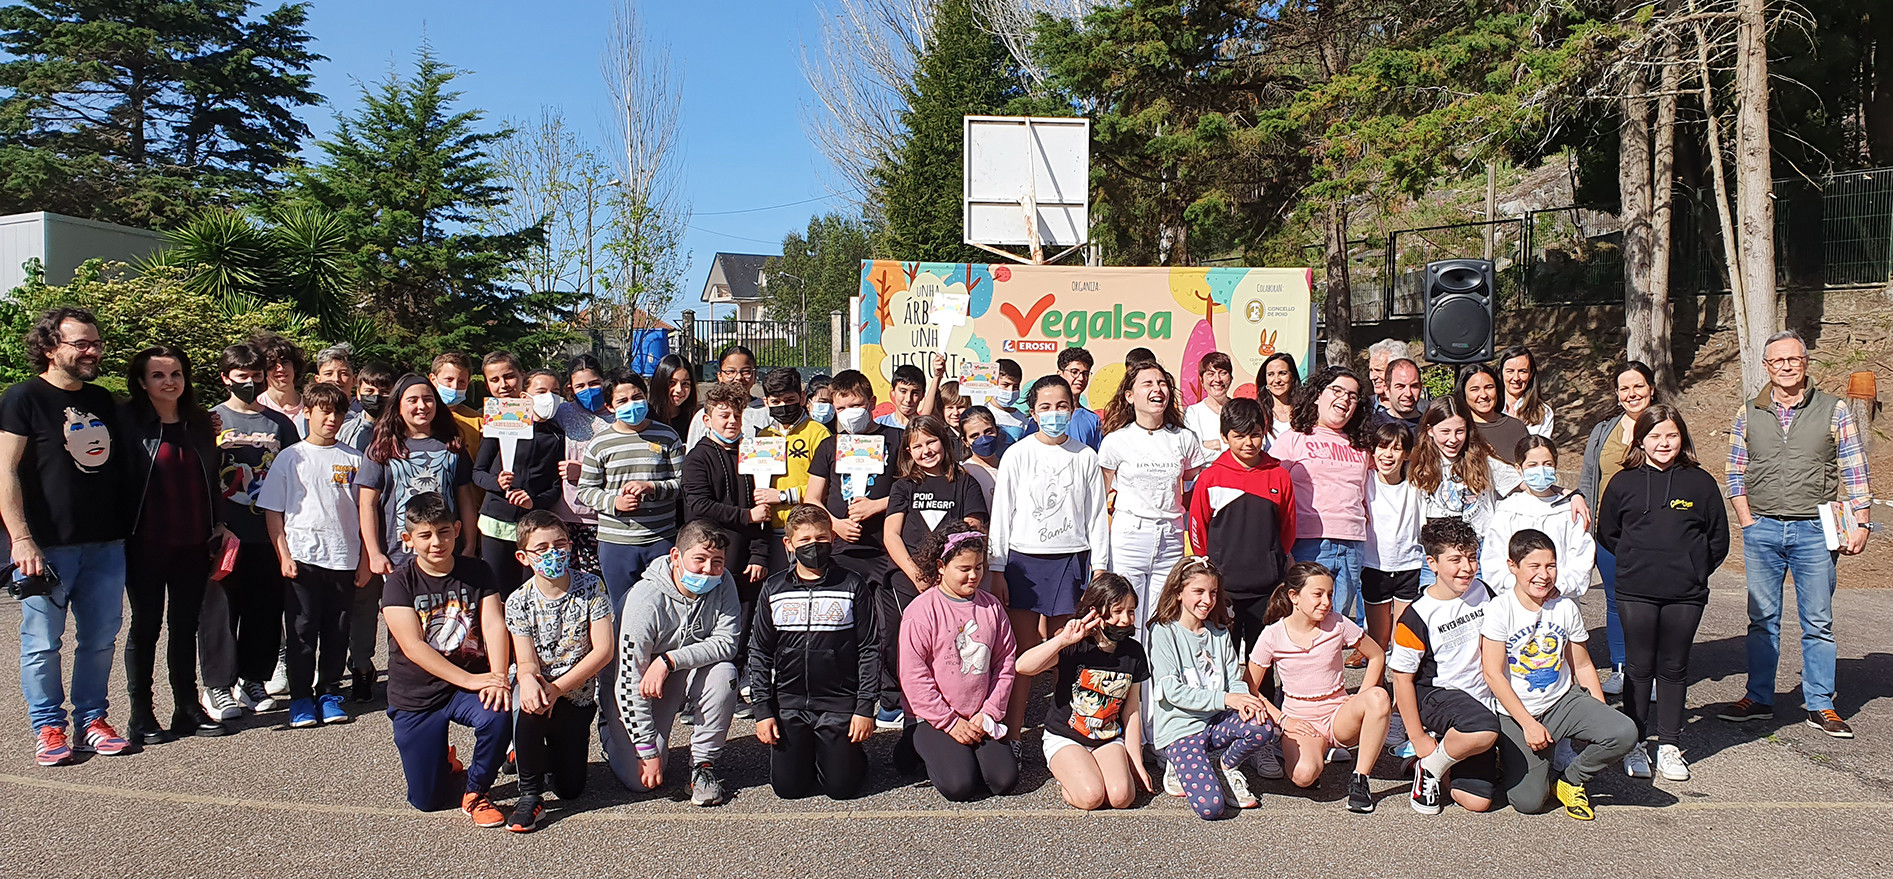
(1282, 600)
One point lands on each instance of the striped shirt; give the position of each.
(614, 458)
(1849, 454)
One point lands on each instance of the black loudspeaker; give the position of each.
(1459, 297)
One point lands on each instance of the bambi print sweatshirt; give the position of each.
(1049, 500)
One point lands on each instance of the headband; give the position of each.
(958, 539)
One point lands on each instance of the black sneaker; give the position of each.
(190, 720)
(364, 689)
(1828, 721)
(1359, 798)
(1746, 709)
(1426, 798)
(144, 727)
(526, 815)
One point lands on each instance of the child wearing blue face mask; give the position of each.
(1004, 404)
(677, 646)
(632, 475)
(1050, 531)
(560, 621)
(1541, 505)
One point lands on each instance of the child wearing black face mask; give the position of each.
(1093, 733)
(814, 670)
(372, 386)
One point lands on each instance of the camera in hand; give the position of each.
(23, 588)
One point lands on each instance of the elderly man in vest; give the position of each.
(1793, 449)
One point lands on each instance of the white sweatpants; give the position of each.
(1144, 551)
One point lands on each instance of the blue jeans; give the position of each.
(623, 564)
(1613, 626)
(1770, 549)
(1344, 559)
(92, 588)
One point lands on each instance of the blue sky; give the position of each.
(744, 93)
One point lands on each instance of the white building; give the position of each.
(62, 243)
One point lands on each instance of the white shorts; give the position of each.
(1051, 743)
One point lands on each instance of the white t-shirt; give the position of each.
(1150, 467)
(1207, 425)
(1535, 643)
(1394, 519)
(314, 488)
(1541, 428)
(1437, 641)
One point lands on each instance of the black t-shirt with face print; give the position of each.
(73, 472)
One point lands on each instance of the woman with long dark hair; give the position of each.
(1518, 368)
(1277, 386)
(174, 463)
(1481, 393)
(1148, 457)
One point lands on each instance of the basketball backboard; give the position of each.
(1020, 166)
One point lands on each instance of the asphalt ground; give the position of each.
(1767, 798)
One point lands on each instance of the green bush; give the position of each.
(136, 311)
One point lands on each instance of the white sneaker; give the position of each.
(1614, 681)
(1172, 785)
(1563, 756)
(220, 705)
(1340, 755)
(1268, 761)
(278, 683)
(1239, 795)
(1670, 762)
(1637, 763)
(254, 697)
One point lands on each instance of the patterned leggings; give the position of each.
(1238, 739)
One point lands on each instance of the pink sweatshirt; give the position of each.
(1330, 477)
(955, 657)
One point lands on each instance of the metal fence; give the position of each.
(814, 343)
(1836, 231)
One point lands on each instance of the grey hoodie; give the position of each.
(659, 618)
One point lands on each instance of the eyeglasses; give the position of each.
(84, 345)
(1784, 362)
(1345, 395)
(749, 372)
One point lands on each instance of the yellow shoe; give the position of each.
(1577, 803)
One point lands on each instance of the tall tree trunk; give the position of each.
(1879, 109)
(1663, 185)
(1634, 188)
(1338, 311)
(1754, 184)
(1731, 246)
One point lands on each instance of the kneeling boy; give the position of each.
(1533, 647)
(1438, 686)
(561, 625)
(449, 630)
(676, 644)
(814, 671)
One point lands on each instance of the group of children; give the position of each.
(1196, 595)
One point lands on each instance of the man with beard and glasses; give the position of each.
(62, 492)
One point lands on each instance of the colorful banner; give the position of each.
(1030, 313)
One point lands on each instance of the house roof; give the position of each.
(735, 277)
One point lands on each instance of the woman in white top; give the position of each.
(1519, 370)
(1214, 374)
(1276, 386)
(1147, 456)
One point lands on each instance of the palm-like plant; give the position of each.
(310, 249)
(291, 254)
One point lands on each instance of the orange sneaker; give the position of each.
(481, 810)
(52, 749)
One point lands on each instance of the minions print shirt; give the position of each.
(1535, 645)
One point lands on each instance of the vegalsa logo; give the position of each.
(1080, 326)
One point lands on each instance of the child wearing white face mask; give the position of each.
(532, 483)
(1541, 505)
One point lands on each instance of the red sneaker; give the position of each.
(52, 749)
(100, 738)
(481, 810)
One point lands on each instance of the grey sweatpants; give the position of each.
(1578, 717)
(711, 689)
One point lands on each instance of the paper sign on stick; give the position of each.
(508, 420)
(949, 313)
(763, 456)
(980, 381)
(855, 453)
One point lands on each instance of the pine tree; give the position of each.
(139, 111)
(965, 70)
(409, 174)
